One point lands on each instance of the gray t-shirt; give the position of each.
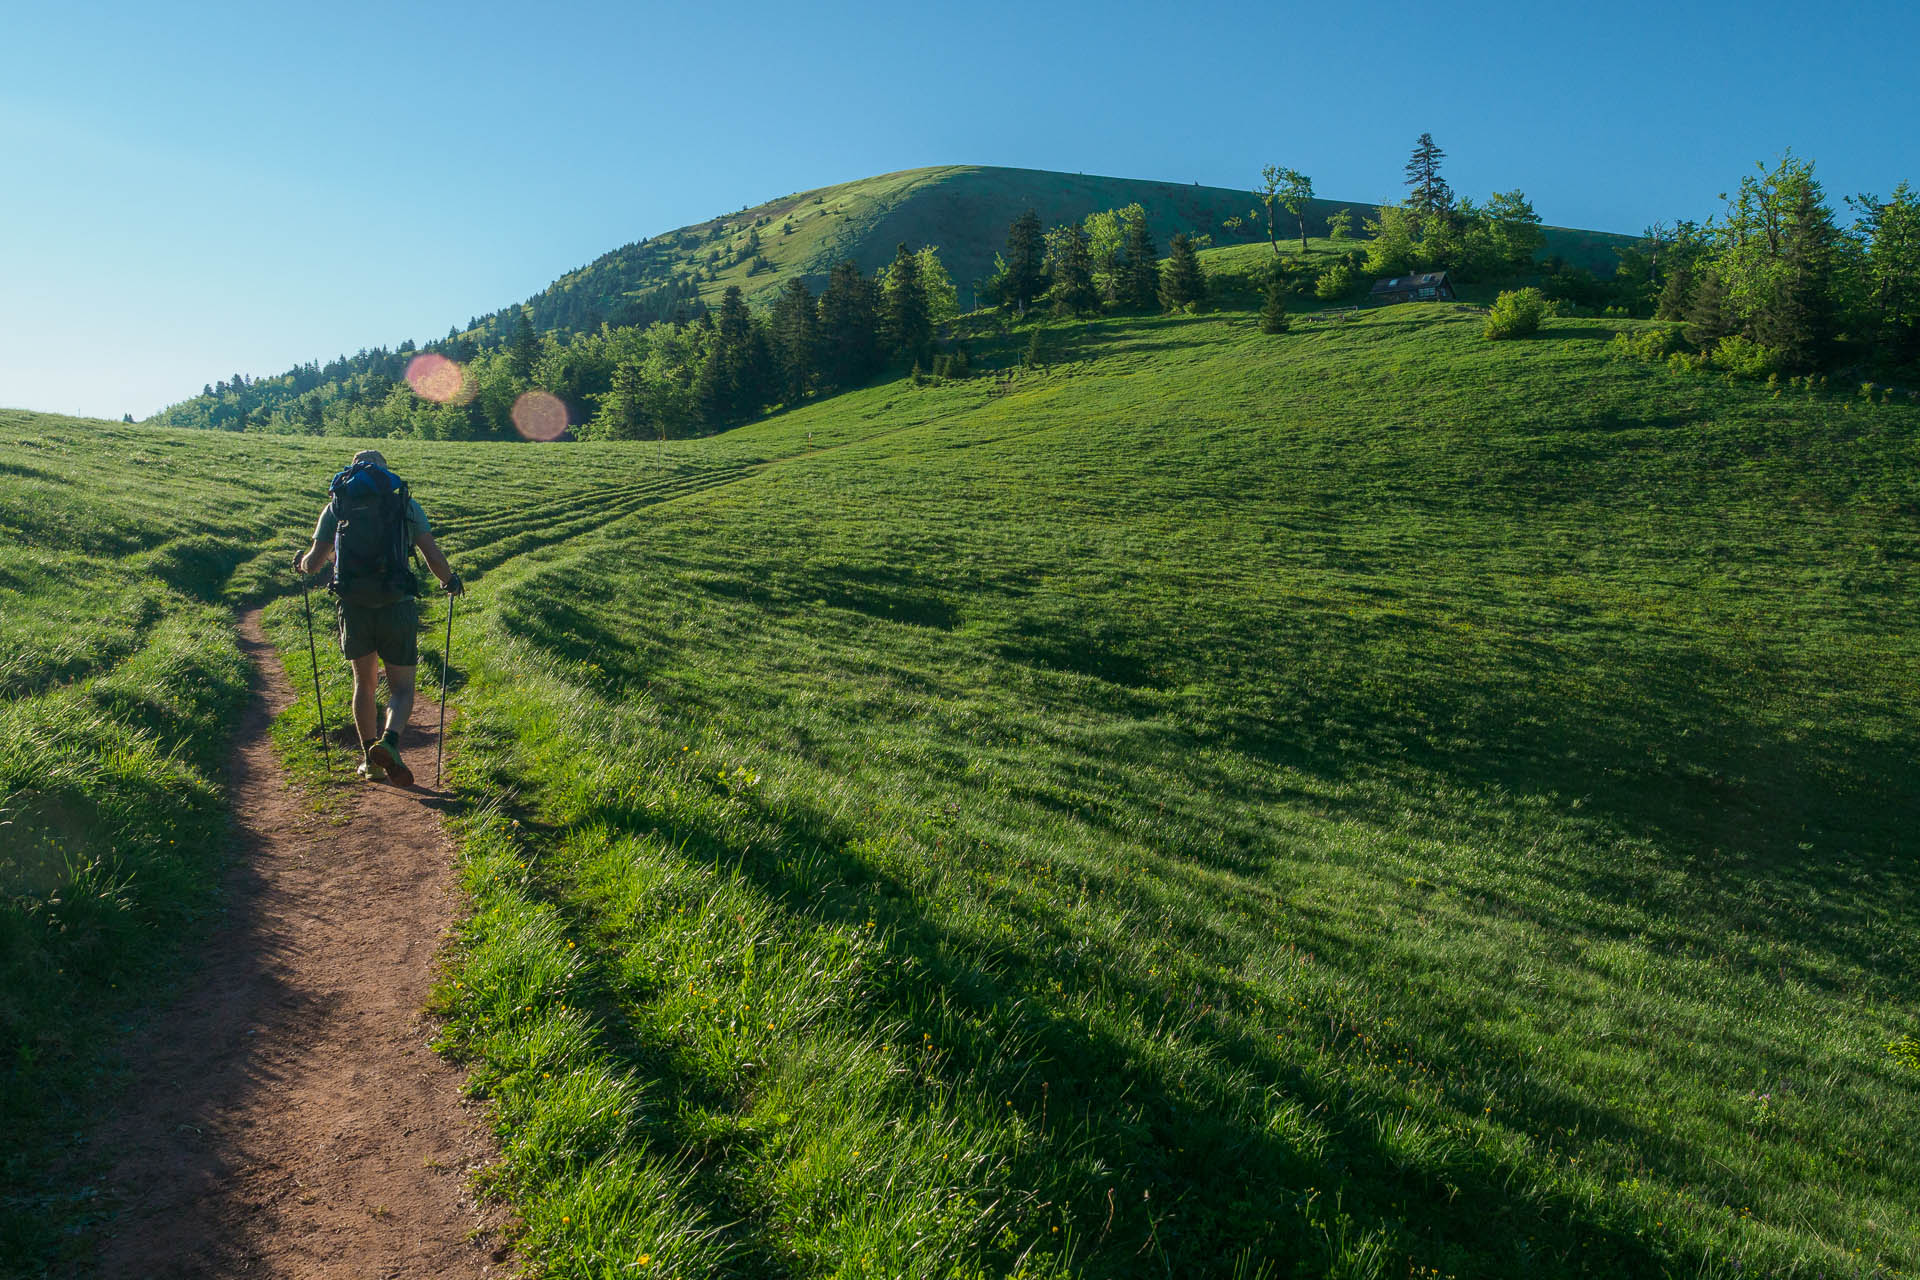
(416, 524)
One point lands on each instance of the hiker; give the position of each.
(368, 529)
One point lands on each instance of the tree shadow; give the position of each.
(1237, 1153)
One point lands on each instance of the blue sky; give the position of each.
(191, 192)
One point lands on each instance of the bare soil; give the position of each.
(289, 1118)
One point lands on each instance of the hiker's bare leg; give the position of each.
(366, 709)
(399, 698)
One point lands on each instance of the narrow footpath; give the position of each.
(288, 1118)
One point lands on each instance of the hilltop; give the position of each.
(964, 210)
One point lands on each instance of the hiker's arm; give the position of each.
(436, 559)
(316, 558)
(321, 550)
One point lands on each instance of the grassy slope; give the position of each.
(1367, 799)
(965, 210)
(1220, 803)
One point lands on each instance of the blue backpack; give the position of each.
(370, 544)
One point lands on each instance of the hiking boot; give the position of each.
(385, 755)
(371, 772)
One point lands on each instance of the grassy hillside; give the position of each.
(1367, 802)
(964, 209)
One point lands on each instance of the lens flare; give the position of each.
(434, 377)
(538, 415)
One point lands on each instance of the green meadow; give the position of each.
(1360, 802)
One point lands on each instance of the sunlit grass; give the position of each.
(1366, 802)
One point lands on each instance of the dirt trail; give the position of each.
(289, 1119)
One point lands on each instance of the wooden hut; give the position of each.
(1427, 286)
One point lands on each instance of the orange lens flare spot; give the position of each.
(436, 378)
(537, 415)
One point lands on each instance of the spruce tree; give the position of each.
(1141, 288)
(1710, 313)
(623, 409)
(1890, 270)
(1026, 248)
(849, 327)
(1675, 295)
(1072, 269)
(796, 340)
(907, 326)
(1430, 193)
(1182, 283)
(523, 349)
(1273, 316)
(1801, 317)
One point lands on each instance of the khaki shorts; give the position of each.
(390, 630)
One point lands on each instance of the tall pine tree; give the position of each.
(1891, 270)
(1141, 287)
(1070, 259)
(796, 340)
(1801, 317)
(907, 326)
(1026, 250)
(1182, 283)
(1430, 192)
(849, 327)
(524, 347)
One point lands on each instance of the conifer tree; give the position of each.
(1141, 288)
(1273, 316)
(1675, 295)
(1430, 192)
(1800, 318)
(908, 328)
(849, 326)
(1710, 313)
(1070, 263)
(796, 340)
(1026, 247)
(622, 410)
(1182, 283)
(1890, 270)
(735, 382)
(523, 349)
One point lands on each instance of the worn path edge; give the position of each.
(287, 1116)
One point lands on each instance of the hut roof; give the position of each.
(1421, 280)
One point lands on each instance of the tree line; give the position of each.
(1775, 284)
(699, 372)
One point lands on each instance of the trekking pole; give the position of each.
(306, 600)
(446, 652)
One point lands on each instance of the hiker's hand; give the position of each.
(299, 562)
(455, 587)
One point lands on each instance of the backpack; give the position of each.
(370, 545)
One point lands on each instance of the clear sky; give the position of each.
(190, 191)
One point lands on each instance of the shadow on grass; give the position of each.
(1189, 1171)
(1753, 815)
